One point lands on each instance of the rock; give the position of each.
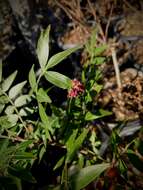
(6, 29)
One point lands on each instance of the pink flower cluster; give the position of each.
(76, 89)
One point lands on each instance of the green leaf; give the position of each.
(98, 60)
(26, 111)
(57, 58)
(24, 145)
(6, 154)
(0, 70)
(77, 144)
(88, 98)
(12, 118)
(42, 96)
(43, 115)
(23, 156)
(43, 47)
(41, 153)
(45, 120)
(4, 123)
(104, 112)
(58, 79)
(32, 79)
(90, 45)
(8, 81)
(4, 100)
(22, 100)
(99, 50)
(122, 166)
(3, 145)
(22, 174)
(15, 90)
(59, 163)
(1, 107)
(87, 175)
(10, 182)
(135, 160)
(81, 159)
(90, 116)
(71, 141)
(97, 87)
(9, 110)
(8, 121)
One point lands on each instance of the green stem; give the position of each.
(12, 138)
(38, 80)
(16, 110)
(69, 106)
(64, 180)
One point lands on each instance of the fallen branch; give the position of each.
(116, 67)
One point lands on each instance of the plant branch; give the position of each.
(108, 23)
(12, 138)
(16, 110)
(93, 12)
(116, 67)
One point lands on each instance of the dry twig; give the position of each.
(116, 67)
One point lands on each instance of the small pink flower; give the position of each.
(76, 89)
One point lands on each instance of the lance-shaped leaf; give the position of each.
(58, 79)
(43, 47)
(19, 155)
(71, 141)
(8, 81)
(102, 113)
(45, 121)
(59, 163)
(57, 58)
(15, 90)
(87, 175)
(75, 144)
(32, 79)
